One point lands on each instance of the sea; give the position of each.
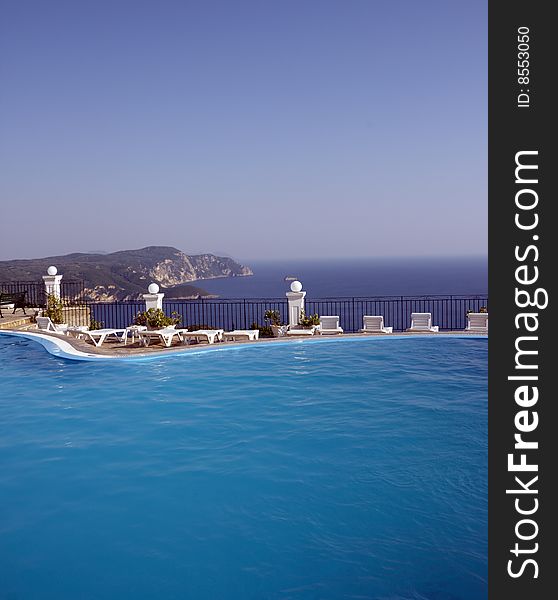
(358, 277)
(369, 280)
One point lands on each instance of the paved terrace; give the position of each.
(113, 347)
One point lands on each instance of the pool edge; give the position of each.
(61, 348)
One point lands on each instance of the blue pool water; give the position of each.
(336, 469)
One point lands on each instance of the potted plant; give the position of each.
(308, 321)
(273, 321)
(155, 318)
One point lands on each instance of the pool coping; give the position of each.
(68, 348)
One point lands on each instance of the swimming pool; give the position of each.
(342, 469)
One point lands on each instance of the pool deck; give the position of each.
(70, 347)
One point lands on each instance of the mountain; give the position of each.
(125, 275)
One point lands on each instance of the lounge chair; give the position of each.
(76, 330)
(241, 334)
(329, 325)
(165, 335)
(97, 336)
(477, 322)
(131, 332)
(299, 330)
(374, 324)
(208, 335)
(422, 322)
(45, 324)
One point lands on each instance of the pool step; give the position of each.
(14, 322)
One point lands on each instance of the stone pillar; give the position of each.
(52, 282)
(153, 299)
(296, 303)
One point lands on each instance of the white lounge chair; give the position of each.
(329, 325)
(299, 330)
(374, 324)
(165, 335)
(46, 324)
(98, 336)
(241, 334)
(422, 322)
(208, 335)
(477, 322)
(76, 330)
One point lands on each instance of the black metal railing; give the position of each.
(448, 312)
(34, 291)
(71, 292)
(115, 314)
(71, 299)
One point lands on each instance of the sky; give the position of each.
(256, 129)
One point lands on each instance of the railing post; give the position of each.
(153, 299)
(295, 300)
(53, 282)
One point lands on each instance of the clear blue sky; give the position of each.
(259, 129)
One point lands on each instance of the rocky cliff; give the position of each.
(125, 275)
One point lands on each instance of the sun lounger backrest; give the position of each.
(373, 323)
(421, 320)
(329, 322)
(478, 320)
(45, 323)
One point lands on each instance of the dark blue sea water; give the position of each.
(358, 277)
(323, 469)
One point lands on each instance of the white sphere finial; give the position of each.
(52, 270)
(296, 286)
(153, 288)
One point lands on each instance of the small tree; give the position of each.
(54, 310)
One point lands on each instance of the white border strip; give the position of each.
(60, 348)
(57, 347)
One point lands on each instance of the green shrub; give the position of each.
(308, 320)
(54, 309)
(272, 317)
(155, 317)
(93, 324)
